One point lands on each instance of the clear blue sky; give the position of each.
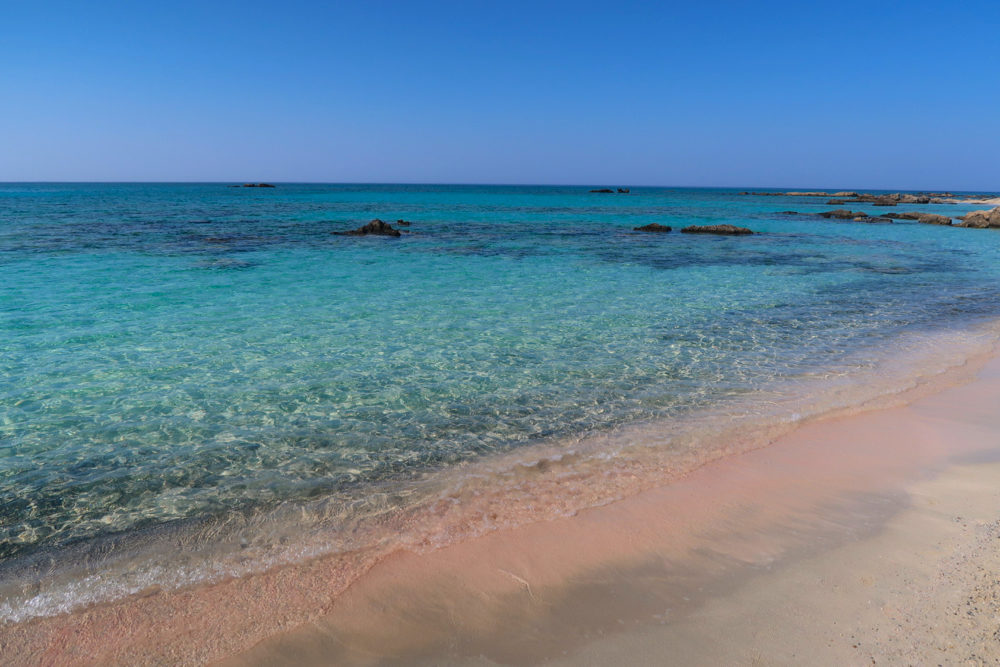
(833, 94)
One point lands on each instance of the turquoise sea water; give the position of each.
(175, 353)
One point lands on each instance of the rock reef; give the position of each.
(925, 218)
(843, 214)
(653, 227)
(726, 230)
(374, 228)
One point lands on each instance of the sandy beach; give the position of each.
(858, 538)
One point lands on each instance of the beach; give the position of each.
(884, 553)
(856, 538)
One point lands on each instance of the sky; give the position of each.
(876, 94)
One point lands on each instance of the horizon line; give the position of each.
(474, 184)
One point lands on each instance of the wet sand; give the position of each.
(857, 538)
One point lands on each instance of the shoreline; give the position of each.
(866, 556)
(261, 609)
(548, 480)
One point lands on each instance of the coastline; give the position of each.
(883, 553)
(705, 511)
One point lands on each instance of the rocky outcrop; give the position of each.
(843, 214)
(981, 219)
(403, 223)
(653, 227)
(933, 219)
(258, 185)
(623, 191)
(728, 230)
(926, 218)
(604, 191)
(376, 228)
(856, 216)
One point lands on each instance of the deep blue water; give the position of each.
(181, 351)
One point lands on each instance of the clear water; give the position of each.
(177, 352)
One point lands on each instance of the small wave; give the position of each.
(555, 477)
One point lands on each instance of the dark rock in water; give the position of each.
(883, 201)
(623, 191)
(729, 230)
(789, 213)
(258, 185)
(743, 193)
(376, 227)
(835, 202)
(843, 214)
(653, 227)
(604, 191)
(403, 223)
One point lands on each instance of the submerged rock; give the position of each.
(403, 223)
(653, 227)
(376, 228)
(258, 185)
(728, 230)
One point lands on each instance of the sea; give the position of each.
(201, 381)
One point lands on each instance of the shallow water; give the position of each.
(187, 353)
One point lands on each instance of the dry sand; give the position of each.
(871, 538)
(989, 201)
